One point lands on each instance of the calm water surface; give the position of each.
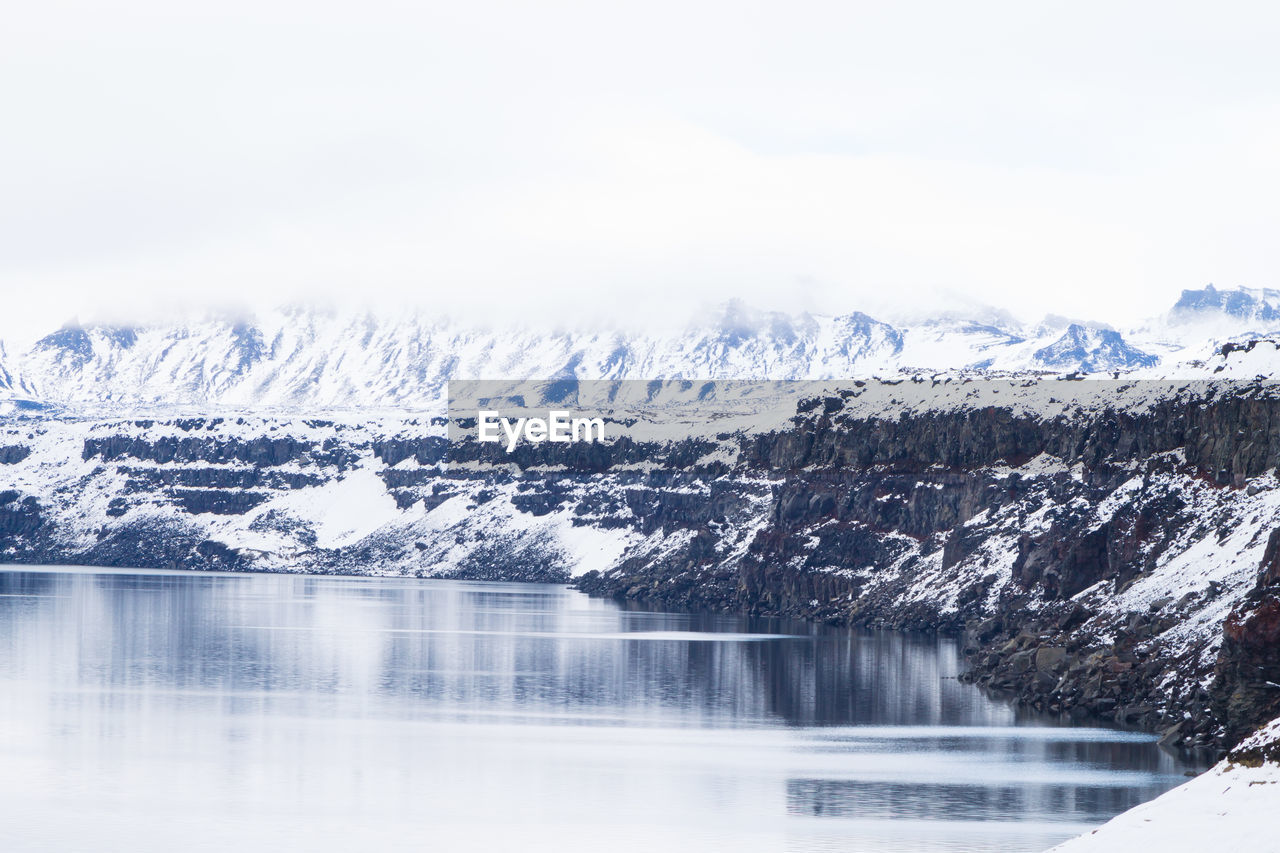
(177, 711)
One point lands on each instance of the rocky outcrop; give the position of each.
(1246, 687)
(12, 454)
(261, 451)
(20, 516)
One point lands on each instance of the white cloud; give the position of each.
(597, 159)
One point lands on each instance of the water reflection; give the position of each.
(150, 710)
(931, 801)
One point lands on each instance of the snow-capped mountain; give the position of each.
(315, 360)
(1092, 350)
(1254, 306)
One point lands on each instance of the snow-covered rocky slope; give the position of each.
(307, 360)
(1231, 807)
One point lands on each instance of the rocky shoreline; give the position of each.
(1047, 666)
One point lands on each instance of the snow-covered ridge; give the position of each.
(301, 359)
(297, 494)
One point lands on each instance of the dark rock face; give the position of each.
(1247, 682)
(12, 454)
(264, 451)
(151, 544)
(1249, 668)
(71, 343)
(20, 518)
(427, 450)
(208, 474)
(201, 476)
(1063, 566)
(217, 501)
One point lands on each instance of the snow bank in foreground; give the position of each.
(1231, 807)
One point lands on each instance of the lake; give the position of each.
(161, 711)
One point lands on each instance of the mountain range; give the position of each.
(309, 359)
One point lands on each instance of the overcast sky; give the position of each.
(602, 160)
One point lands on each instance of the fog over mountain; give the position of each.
(311, 359)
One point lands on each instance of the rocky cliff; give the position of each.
(1100, 559)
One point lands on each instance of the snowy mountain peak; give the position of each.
(1242, 304)
(1092, 350)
